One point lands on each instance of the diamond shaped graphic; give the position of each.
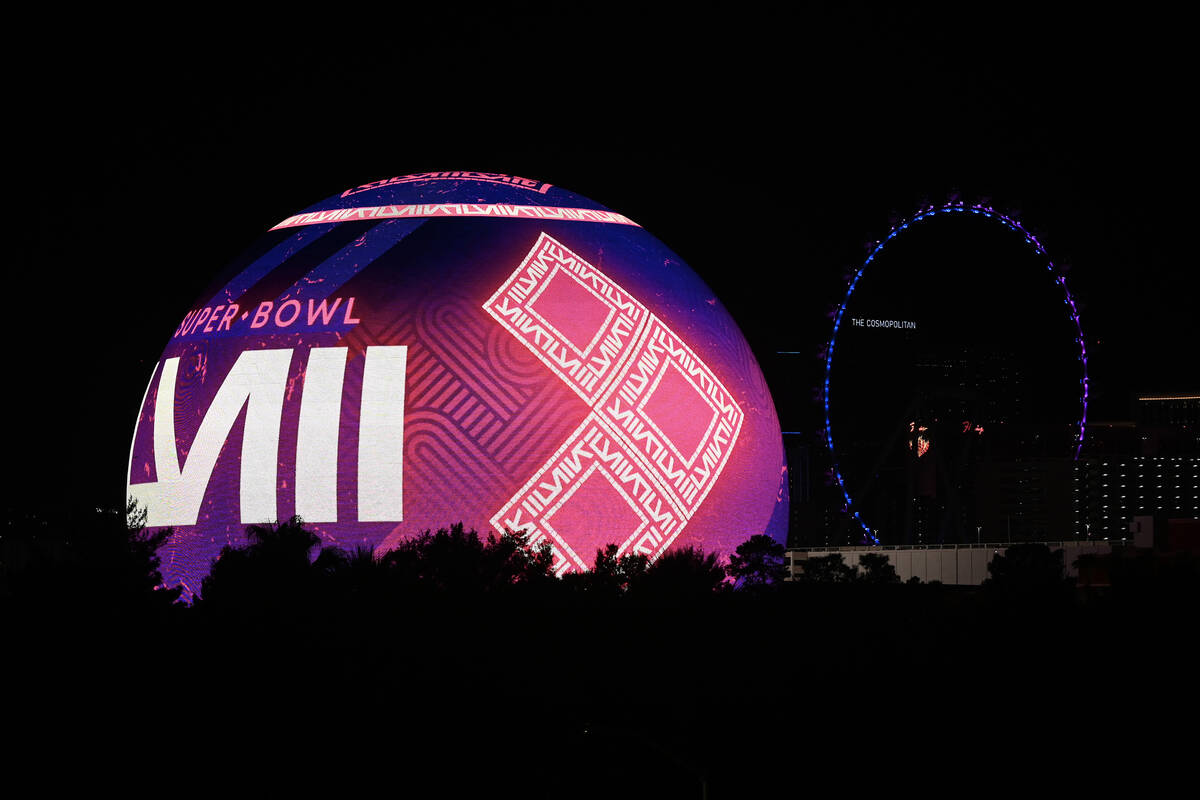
(570, 308)
(689, 466)
(595, 512)
(661, 428)
(622, 502)
(678, 410)
(572, 316)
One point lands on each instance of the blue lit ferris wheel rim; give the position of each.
(949, 208)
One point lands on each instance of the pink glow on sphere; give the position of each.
(459, 346)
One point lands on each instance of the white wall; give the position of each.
(964, 565)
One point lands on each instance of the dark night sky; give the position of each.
(764, 150)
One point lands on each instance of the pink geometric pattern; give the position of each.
(579, 314)
(502, 210)
(592, 448)
(586, 351)
(661, 428)
(687, 469)
(572, 520)
(480, 177)
(677, 409)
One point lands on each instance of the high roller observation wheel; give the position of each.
(929, 213)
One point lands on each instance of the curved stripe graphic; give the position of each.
(651, 400)
(501, 210)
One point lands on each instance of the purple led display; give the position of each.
(459, 346)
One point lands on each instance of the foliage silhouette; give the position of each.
(274, 571)
(104, 558)
(281, 571)
(758, 561)
(684, 574)
(826, 569)
(87, 622)
(468, 644)
(1028, 571)
(457, 561)
(877, 568)
(611, 575)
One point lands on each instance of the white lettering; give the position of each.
(317, 435)
(381, 436)
(901, 324)
(257, 382)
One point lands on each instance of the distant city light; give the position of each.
(1169, 397)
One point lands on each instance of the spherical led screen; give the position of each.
(458, 347)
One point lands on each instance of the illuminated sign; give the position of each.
(425, 177)
(559, 373)
(897, 324)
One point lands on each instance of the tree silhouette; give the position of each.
(1028, 570)
(449, 560)
(682, 574)
(510, 561)
(611, 575)
(877, 568)
(758, 561)
(273, 573)
(457, 561)
(86, 617)
(103, 557)
(826, 569)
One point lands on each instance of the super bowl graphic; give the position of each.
(450, 347)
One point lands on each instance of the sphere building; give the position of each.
(458, 346)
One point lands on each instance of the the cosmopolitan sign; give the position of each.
(893, 324)
(556, 372)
